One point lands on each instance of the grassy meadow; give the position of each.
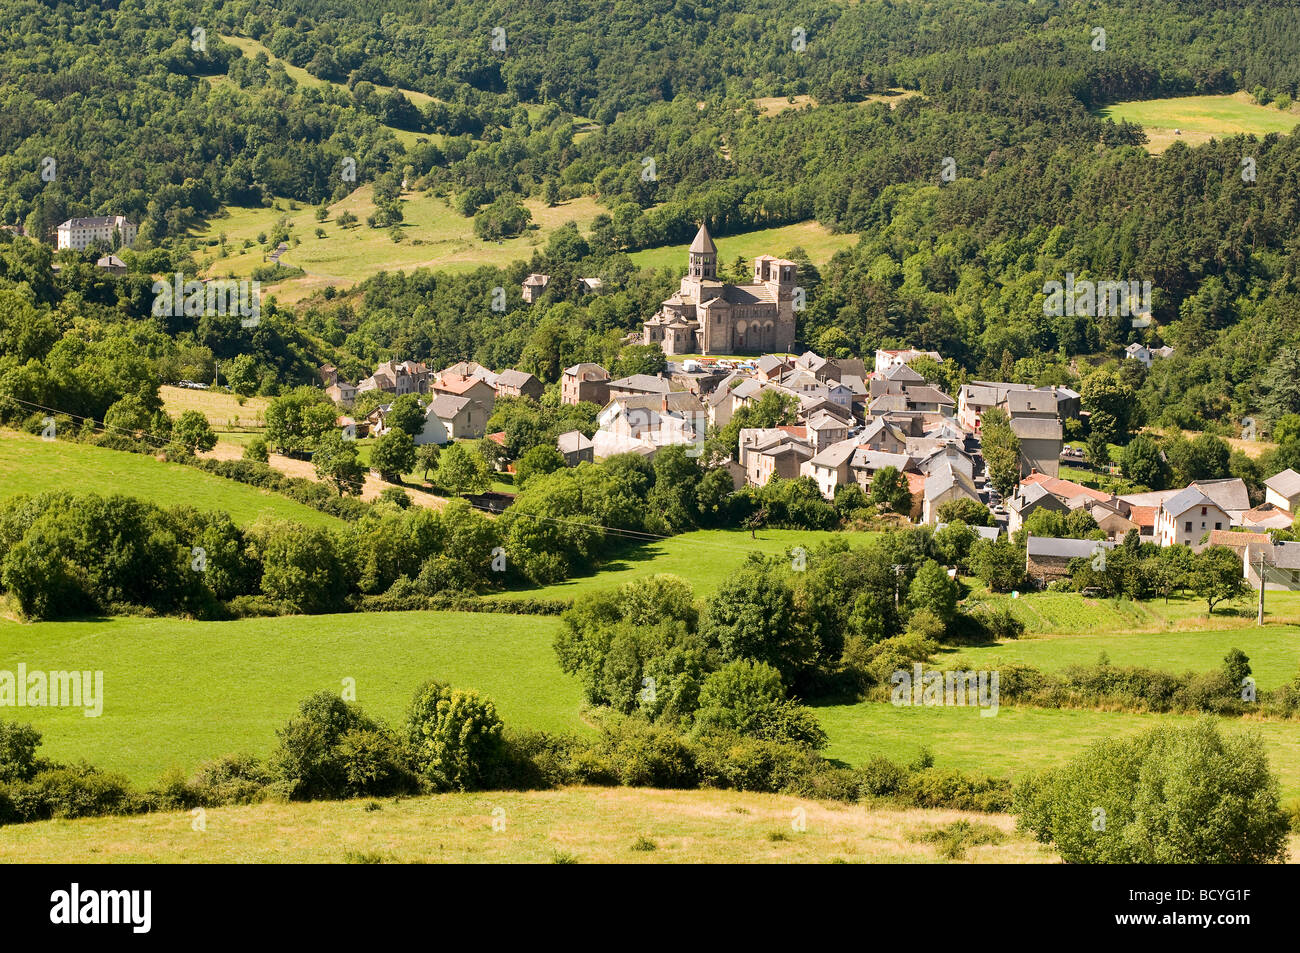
(818, 241)
(29, 464)
(179, 692)
(572, 825)
(1198, 119)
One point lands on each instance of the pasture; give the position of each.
(819, 242)
(582, 825)
(1198, 119)
(179, 692)
(29, 464)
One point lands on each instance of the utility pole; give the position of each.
(898, 571)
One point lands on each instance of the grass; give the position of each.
(29, 464)
(1017, 740)
(572, 825)
(1201, 118)
(434, 236)
(219, 408)
(1273, 652)
(704, 558)
(817, 240)
(178, 692)
(1057, 613)
(772, 105)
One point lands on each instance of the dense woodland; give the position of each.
(143, 124)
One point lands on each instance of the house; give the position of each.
(584, 382)
(77, 233)
(946, 482)
(1040, 444)
(435, 429)
(474, 388)
(461, 417)
(1058, 403)
(1281, 566)
(881, 434)
(647, 422)
(1234, 540)
(1111, 516)
(886, 359)
(767, 452)
(894, 380)
(708, 316)
(912, 399)
(770, 367)
(1283, 490)
(638, 384)
(975, 398)
(1048, 559)
(831, 466)
(1229, 494)
(825, 428)
(393, 377)
(342, 393)
(112, 264)
(1266, 516)
(377, 420)
(1028, 498)
(533, 287)
(589, 286)
(519, 384)
(1139, 352)
(1187, 516)
(576, 448)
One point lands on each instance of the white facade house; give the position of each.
(77, 233)
(1187, 516)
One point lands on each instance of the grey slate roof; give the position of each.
(1287, 483)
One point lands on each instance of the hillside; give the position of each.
(584, 825)
(29, 464)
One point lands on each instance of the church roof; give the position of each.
(703, 243)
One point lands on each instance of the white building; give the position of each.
(79, 232)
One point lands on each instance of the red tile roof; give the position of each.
(1065, 489)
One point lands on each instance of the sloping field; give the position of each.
(1194, 120)
(29, 464)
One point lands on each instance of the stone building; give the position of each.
(708, 316)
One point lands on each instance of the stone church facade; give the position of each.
(708, 316)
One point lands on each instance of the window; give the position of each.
(1218, 526)
(1202, 511)
(1187, 526)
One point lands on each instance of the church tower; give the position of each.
(703, 256)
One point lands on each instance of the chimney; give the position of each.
(663, 403)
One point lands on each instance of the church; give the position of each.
(708, 316)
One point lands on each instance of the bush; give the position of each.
(67, 792)
(232, 779)
(752, 764)
(332, 750)
(880, 777)
(634, 752)
(456, 739)
(747, 697)
(1170, 795)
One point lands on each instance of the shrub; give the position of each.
(455, 738)
(67, 792)
(752, 764)
(329, 750)
(747, 697)
(1170, 795)
(231, 779)
(880, 777)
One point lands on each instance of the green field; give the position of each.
(433, 236)
(589, 825)
(1274, 651)
(704, 558)
(1016, 740)
(29, 464)
(1199, 119)
(819, 242)
(179, 692)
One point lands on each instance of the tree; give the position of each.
(1281, 384)
(1108, 391)
(256, 450)
(392, 455)
(426, 458)
(335, 462)
(456, 738)
(1000, 563)
(461, 471)
(405, 414)
(128, 415)
(752, 616)
(933, 590)
(296, 421)
(538, 460)
(965, 510)
(302, 569)
(890, 492)
(1216, 575)
(1001, 449)
(1175, 794)
(192, 432)
(745, 697)
(1143, 463)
